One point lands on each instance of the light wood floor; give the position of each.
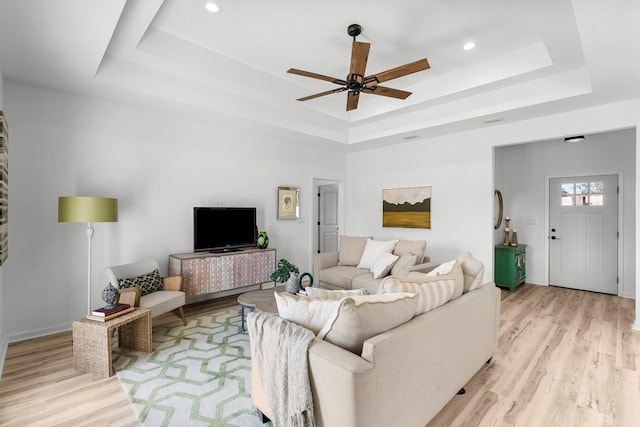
(565, 358)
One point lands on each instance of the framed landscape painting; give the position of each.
(407, 207)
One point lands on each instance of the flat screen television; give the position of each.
(223, 229)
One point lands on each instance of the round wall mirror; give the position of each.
(497, 208)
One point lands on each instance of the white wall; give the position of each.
(460, 170)
(461, 199)
(525, 169)
(159, 166)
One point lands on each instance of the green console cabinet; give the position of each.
(510, 266)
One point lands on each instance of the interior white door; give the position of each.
(583, 233)
(328, 226)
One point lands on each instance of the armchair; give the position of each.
(159, 302)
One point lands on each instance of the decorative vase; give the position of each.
(110, 296)
(514, 237)
(291, 285)
(263, 240)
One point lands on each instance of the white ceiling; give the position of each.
(531, 58)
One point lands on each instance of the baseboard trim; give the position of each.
(4, 344)
(37, 333)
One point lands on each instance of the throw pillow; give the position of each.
(351, 248)
(473, 270)
(373, 249)
(311, 313)
(333, 294)
(404, 262)
(443, 268)
(415, 247)
(430, 294)
(358, 318)
(148, 283)
(455, 275)
(383, 264)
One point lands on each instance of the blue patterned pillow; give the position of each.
(147, 283)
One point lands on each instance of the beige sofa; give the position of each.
(339, 270)
(405, 375)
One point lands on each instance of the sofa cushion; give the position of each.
(333, 294)
(358, 318)
(404, 262)
(340, 275)
(383, 264)
(455, 274)
(373, 249)
(430, 294)
(415, 247)
(351, 248)
(162, 301)
(366, 281)
(147, 283)
(311, 313)
(473, 270)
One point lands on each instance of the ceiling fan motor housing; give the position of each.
(354, 30)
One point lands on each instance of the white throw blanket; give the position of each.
(280, 352)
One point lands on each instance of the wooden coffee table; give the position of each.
(262, 300)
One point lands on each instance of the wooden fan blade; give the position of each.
(359, 57)
(317, 95)
(387, 91)
(316, 76)
(352, 100)
(403, 70)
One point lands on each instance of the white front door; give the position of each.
(583, 233)
(328, 218)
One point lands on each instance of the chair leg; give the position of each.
(263, 417)
(184, 321)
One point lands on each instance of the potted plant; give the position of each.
(286, 273)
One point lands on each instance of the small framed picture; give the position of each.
(288, 203)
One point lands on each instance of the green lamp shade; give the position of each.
(87, 209)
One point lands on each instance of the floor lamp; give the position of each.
(87, 209)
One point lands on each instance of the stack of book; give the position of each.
(106, 314)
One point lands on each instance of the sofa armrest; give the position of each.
(324, 260)
(343, 385)
(129, 296)
(172, 283)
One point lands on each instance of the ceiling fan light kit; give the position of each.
(356, 82)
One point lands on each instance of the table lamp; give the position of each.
(87, 209)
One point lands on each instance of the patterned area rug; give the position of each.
(197, 375)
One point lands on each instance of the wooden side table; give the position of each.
(92, 340)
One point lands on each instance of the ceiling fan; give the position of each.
(356, 82)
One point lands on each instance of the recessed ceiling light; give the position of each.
(212, 7)
(469, 45)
